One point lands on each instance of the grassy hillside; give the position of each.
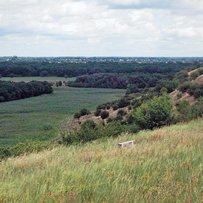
(37, 118)
(164, 166)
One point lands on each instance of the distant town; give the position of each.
(105, 59)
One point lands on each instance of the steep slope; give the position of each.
(165, 165)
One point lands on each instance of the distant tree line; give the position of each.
(133, 82)
(40, 68)
(19, 90)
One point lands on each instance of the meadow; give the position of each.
(165, 165)
(27, 79)
(38, 118)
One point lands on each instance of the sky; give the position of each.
(101, 28)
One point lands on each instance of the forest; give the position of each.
(19, 90)
(68, 69)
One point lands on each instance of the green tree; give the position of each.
(154, 113)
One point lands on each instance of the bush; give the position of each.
(187, 112)
(184, 87)
(194, 75)
(24, 148)
(77, 115)
(82, 112)
(104, 114)
(90, 132)
(97, 112)
(109, 120)
(121, 112)
(154, 113)
(115, 107)
(123, 103)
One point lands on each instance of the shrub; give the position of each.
(119, 117)
(109, 120)
(104, 114)
(115, 107)
(179, 95)
(88, 124)
(154, 113)
(82, 112)
(130, 119)
(97, 112)
(108, 106)
(184, 87)
(188, 112)
(77, 115)
(194, 75)
(121, 112)
(89, 132)
(24, 148)
(123, 103)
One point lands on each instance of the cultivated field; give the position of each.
(38, 118)
(164, 166)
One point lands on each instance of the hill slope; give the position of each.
(166, 165)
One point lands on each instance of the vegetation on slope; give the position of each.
(165, 165)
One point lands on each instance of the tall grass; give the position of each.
(38, 118)
(166, 165)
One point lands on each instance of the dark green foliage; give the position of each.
(82, 112)
(187, 112)
(123, 103)
(115, 107)
(170, 85)
(44, 73)
(104, 114)
(109, 120)
(89, 124)
(154, 113)
(121, 112)
(59, 84)
(132, 88)
(194, 75)
(133, 83)
(24, 148)
(185, 86)
(193, 89)
(90, 132)
(43, 67)
(20, 90)
(97, 112)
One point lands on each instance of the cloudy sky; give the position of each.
(101, 27)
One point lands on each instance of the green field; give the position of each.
(26, 79)
(38, 118)
(166, 165)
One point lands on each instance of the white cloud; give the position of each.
(101, 27)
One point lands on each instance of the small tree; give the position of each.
(104, 114)
(154, 113)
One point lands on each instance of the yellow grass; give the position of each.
(166, 165)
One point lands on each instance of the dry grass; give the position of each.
(166, 165)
